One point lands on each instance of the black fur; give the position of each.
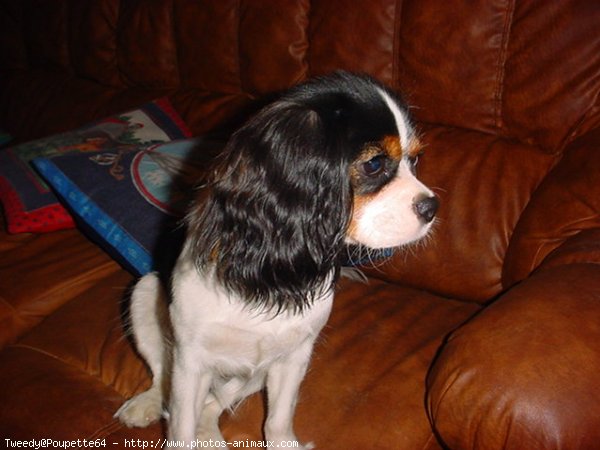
(273, 217)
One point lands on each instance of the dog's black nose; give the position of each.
(426, 208)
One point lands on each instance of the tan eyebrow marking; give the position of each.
(392, 147)
(415, 148)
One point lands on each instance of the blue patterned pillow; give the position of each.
(129, 201)
(29, 204)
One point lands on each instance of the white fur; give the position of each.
(222, 352)
(404, 128)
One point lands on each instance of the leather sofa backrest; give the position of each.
(504, 85)
(521, 69)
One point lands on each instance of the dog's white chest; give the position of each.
(231, 337)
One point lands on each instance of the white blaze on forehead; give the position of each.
(404, 130)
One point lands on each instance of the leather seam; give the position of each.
(501, 65)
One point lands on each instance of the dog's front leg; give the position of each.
(189, 389)
(283, 381)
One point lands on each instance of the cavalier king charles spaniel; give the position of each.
(328, 165)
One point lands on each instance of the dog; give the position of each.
(329, 164)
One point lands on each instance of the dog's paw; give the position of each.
(141, 410)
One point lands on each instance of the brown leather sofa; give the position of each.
(485, 336)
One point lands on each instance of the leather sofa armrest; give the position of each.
(564, 206)
(524, 372)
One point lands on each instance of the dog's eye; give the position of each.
(374, 166)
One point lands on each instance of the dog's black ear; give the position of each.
(273, 220)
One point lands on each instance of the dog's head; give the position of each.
(330, 163)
